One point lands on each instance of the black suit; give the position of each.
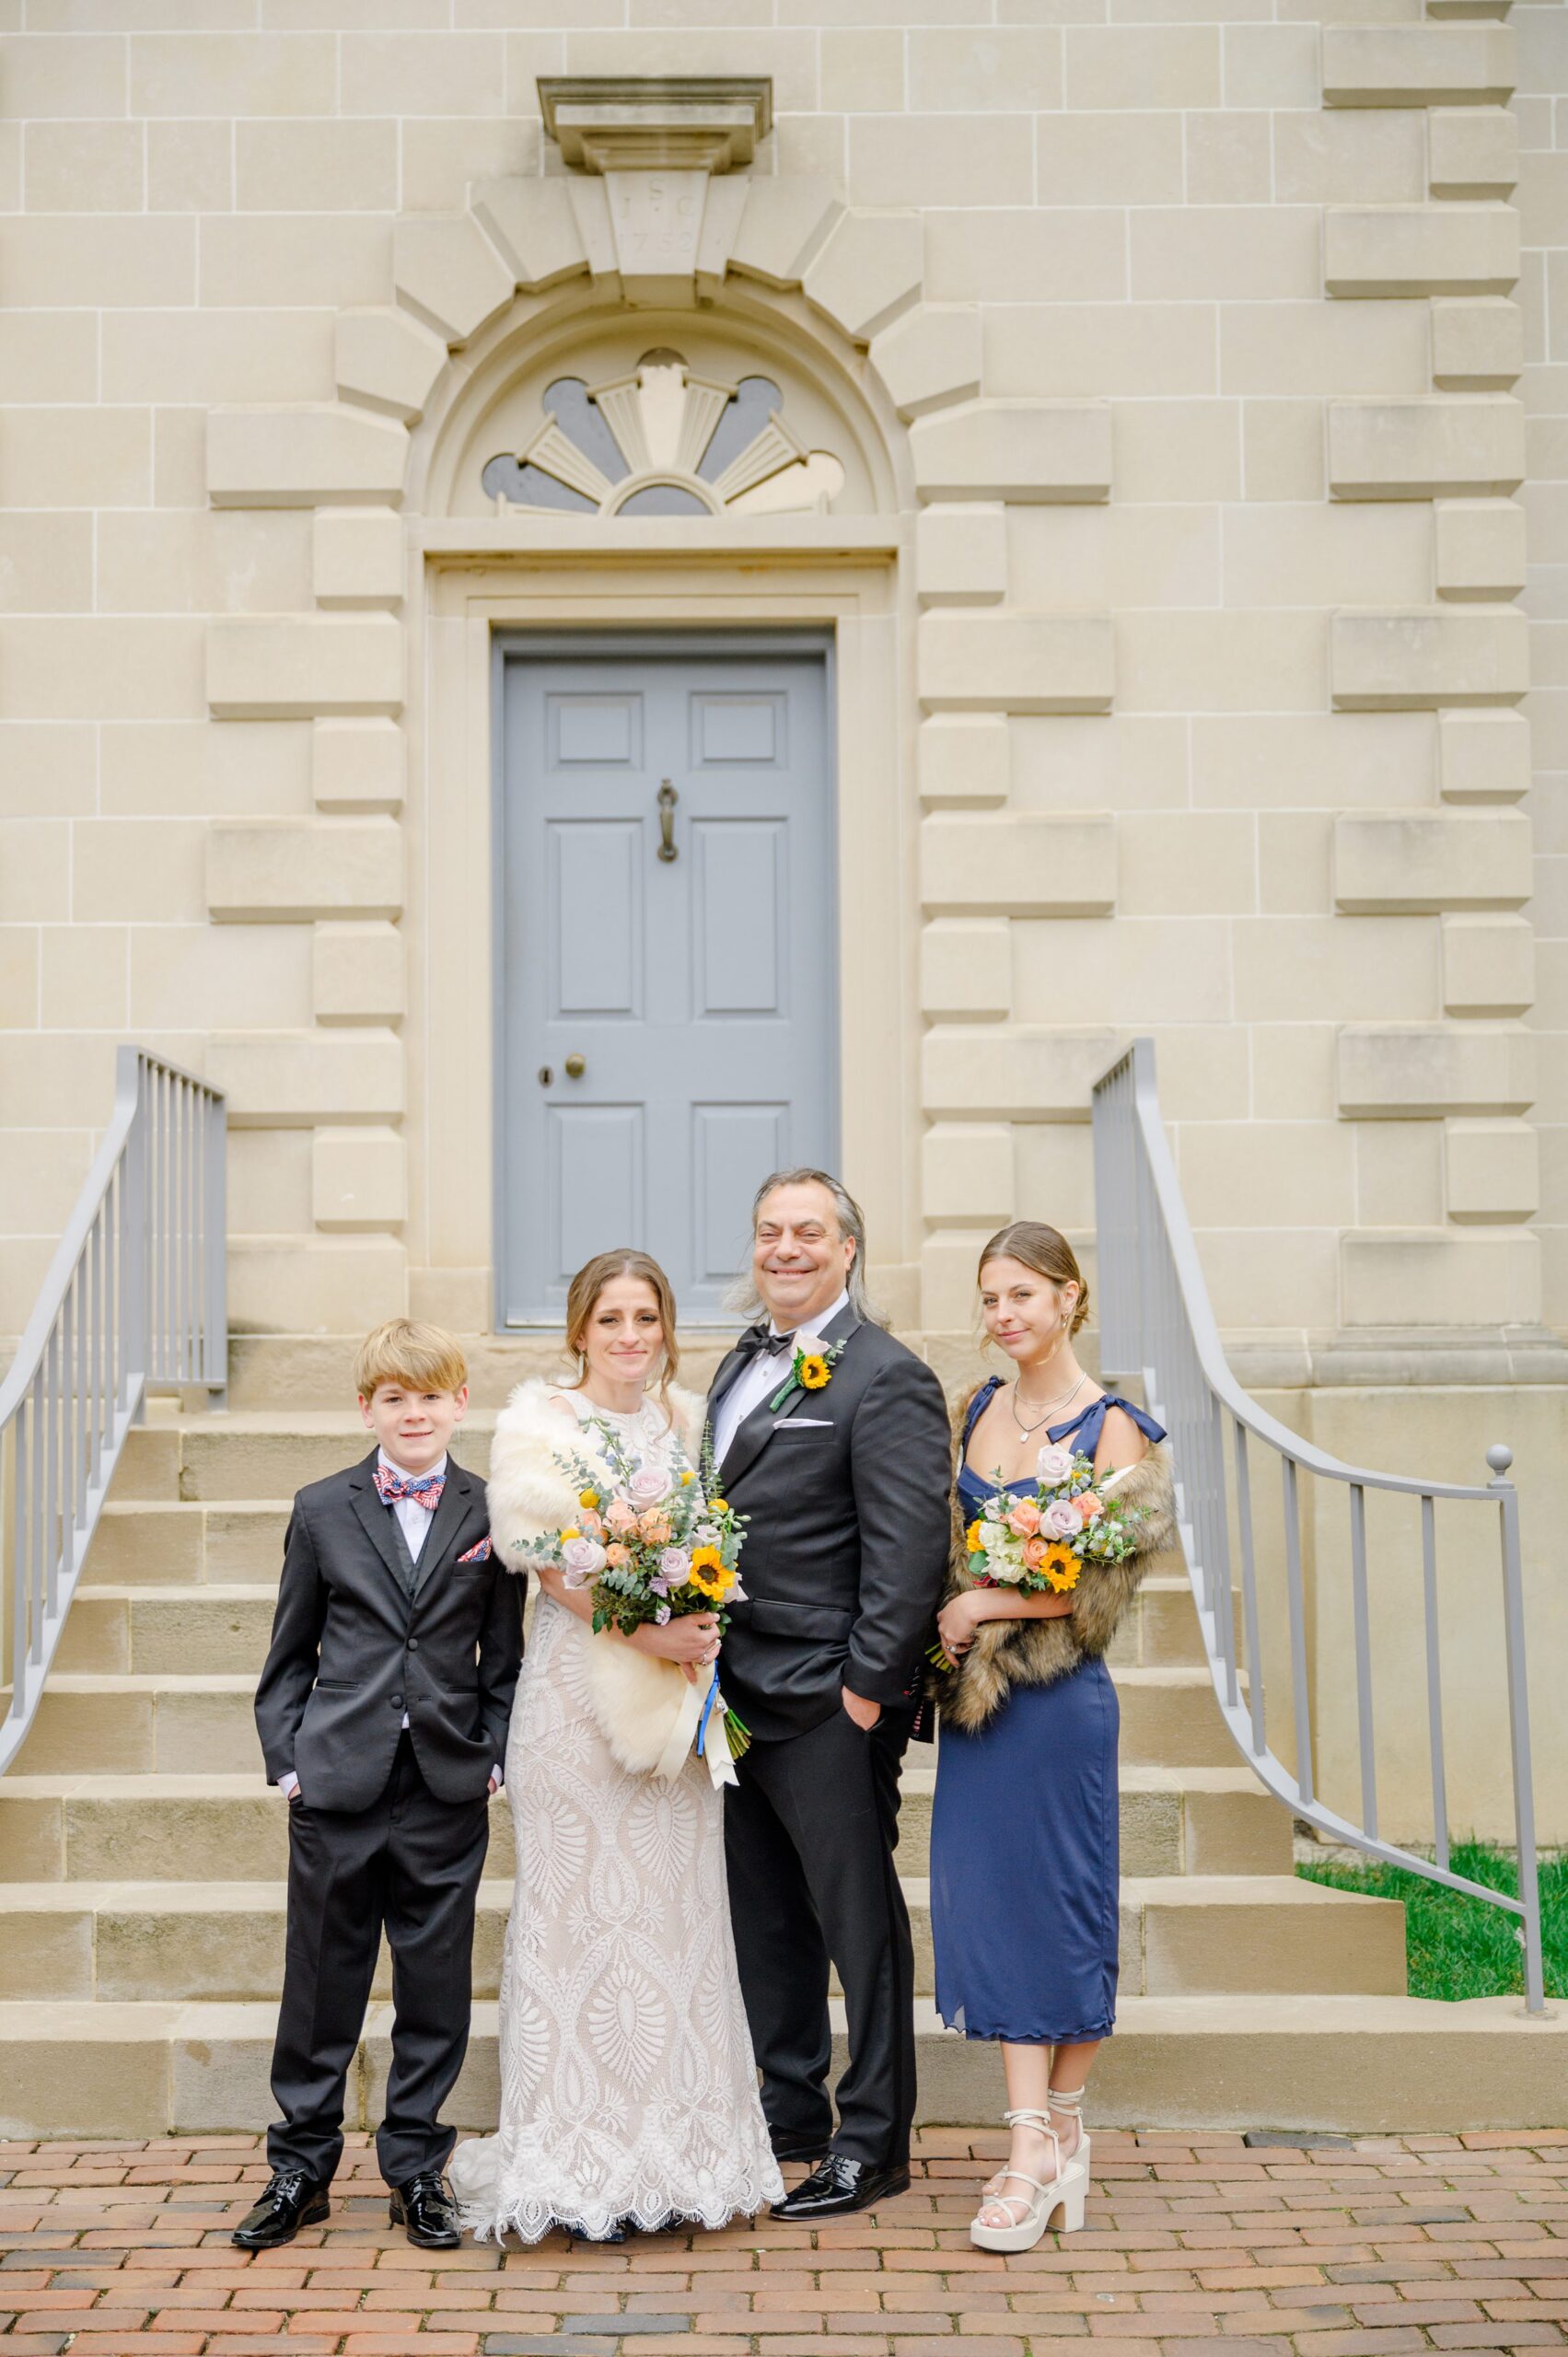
(390, 1825)
(845, 1491)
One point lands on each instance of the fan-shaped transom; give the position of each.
(666, 440)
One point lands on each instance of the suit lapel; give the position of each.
(444, 1523)
(754, 1433)
(375, 1517)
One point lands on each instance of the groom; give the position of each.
(845, 1483)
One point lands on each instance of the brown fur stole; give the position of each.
(1034, 1653)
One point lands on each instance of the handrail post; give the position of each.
(214, 1273)
(133, 1247)
(1498, 1457)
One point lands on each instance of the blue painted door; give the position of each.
(667, 945)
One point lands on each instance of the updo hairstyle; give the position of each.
(1045, 1250)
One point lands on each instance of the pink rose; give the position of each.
(1061, 1519)
(590, 1524)
(1053, 1463)
(1035, 1550)
(1024, 1519)
(646, 1485)
(620, 1516)
(581, 1558)
(674, 1564)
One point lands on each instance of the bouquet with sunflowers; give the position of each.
(1039, 1543)
(654, 1548)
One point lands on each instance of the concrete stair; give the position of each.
(142, 1855)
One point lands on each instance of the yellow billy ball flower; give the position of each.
(588, 1500)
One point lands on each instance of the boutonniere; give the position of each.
(810, 1369)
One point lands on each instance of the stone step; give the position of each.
(172, 1723)
(124, 1942)
(218, 1628)
(1364, 2065)
(70, 1828)
(282, 1374)
(161, 1543)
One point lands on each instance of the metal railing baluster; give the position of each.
(1159, 1324)
(134, 1297)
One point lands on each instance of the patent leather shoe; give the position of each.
(838, 2184)
(291, 2200)
(426, 2212)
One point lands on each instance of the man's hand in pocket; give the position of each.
(864, 1714)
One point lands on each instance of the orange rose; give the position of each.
(617, 1555)
(1035, 1551)
(1024, 1520)
(1088, 1505)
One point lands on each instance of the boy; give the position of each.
(382, 1712)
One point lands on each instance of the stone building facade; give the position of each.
(1158, 392)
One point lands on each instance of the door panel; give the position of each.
(699, 991)
(732, 1148)
(739, 882)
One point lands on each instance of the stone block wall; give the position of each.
(1205, 322)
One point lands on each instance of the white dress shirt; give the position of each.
(414, 1521)
(760, 1379)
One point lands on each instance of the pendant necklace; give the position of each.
(1027, 1431)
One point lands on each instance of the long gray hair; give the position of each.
(743, 1297)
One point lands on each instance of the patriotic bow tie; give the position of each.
(762, 1342)
(424, 1489)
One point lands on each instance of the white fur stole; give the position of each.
(638, 1701)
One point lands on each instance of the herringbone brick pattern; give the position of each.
(1381, 2247)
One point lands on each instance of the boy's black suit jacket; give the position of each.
(846, 1541)
(351, 1652)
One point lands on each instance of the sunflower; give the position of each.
(588, 1500)
(814, 1374)
(973, 1540)
(709, 1575)
(1061, 1567)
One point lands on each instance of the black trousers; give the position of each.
(411, 1863)
(809, 1835)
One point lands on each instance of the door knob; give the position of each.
(575, 1066)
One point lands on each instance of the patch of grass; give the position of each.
(1456, 1946)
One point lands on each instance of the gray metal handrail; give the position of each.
(134, 1301)
(1156, 1321)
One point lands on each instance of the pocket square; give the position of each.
(803, 1424)
(480, 1554)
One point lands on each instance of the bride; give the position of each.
(628, 2087)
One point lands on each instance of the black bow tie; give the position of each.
(762, 1342)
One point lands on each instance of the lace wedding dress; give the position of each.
(628, 2084)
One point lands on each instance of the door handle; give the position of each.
(577, 1066)
(668, 798)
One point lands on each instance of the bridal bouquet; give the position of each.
(1040, 1543)
(651, 1548)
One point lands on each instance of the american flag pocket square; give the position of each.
(480, 1554)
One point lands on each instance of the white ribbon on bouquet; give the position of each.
(683, 1733)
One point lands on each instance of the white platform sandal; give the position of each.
(1067, 2099)
(1066, 2191)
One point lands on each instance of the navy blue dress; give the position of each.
(1025, 1858)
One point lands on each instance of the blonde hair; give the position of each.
(582, 1297)
(415, 1357)
(1045, 1250)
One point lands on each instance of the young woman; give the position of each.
(1024, 1865)
(628, 2087)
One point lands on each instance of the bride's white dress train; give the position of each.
(628, 2084)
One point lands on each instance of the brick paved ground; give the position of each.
(1373, 2249)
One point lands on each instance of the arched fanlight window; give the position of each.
(665, 442)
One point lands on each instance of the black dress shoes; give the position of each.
(426, 2212)
(291, 2200)
(838, 2184)
(789, 2145)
